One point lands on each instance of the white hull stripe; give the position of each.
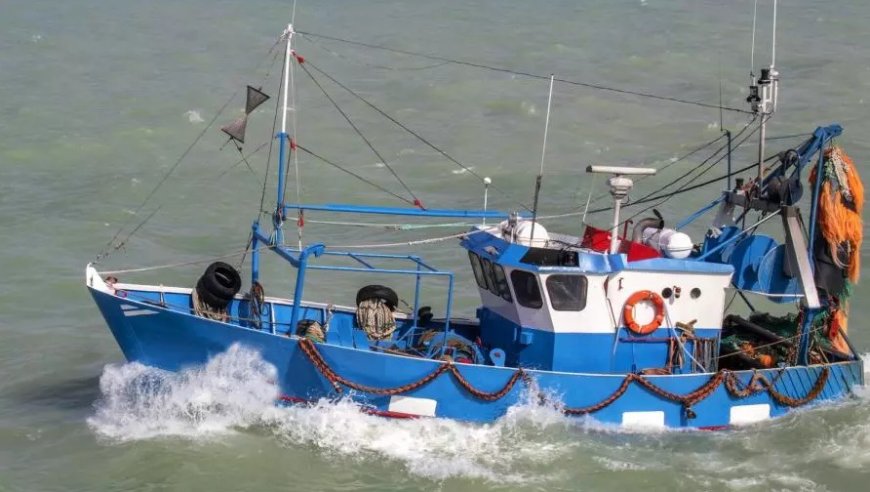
(138, 312)
(646, 420)
(749, 414)
(424, 407)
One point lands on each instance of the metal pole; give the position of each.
(761, 136)
(447, 314)
(486, 182)
(728, 134)
(282, 140)
(317, 250)
(416, 296)
(255, 255)
(614, 232)
(543, 155)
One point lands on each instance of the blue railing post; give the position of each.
(279, 209)
(416, 294)
(255, 253)
(317, 250)
(447, 313)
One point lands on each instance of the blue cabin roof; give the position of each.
(513, 255)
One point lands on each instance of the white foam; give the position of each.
(235, 391)
(193, 116)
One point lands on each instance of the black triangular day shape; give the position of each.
(236, 129)
(255, 98)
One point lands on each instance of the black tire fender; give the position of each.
(208, 298)
(375, 291)
(221, 280)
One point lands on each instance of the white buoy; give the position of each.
(669, 242)
(524, 234)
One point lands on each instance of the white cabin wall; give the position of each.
(496, 304)
(594, 318)
(707, 309)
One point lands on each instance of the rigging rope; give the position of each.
(361, 135)
(673, 162)
(183, 263)
(355, 175)
(710, 165)
(419, 137)
(525, 74)
(662, 198)
(111, 245)
(244, 159)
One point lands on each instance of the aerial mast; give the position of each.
(763, 94)
(283, 138)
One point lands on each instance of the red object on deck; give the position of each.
(599, 240)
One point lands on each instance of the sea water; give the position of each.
(98, 99)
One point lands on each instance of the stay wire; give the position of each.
(666, 166)
(272, 142)
(244, 159)
(664, 198)
(111, 245)
(359, 132)
(685, 188)
(357, 176)
(372, 65)
(705, 161)
(526, 74)
(415, 134)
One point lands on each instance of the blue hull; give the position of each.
(173, 340)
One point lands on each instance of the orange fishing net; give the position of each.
(840, 204)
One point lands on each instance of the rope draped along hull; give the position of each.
(400, 386)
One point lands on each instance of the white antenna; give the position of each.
(547, 122)
(752, 51)
(763, 94)
(486, 182)
(543, 155)
(773, 42)
(288, 33)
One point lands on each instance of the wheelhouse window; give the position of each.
(501, 283)
(495, 279)
(567, 292)
(477, 268)
(526, 289)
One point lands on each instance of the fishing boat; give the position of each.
(628, 324)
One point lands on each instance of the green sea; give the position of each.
(100, 98)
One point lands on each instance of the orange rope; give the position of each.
(757, 384)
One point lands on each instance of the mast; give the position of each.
(763, 94)
(283, 138)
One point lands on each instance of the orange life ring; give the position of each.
(628, 312)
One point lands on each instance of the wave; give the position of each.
(236, 392)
